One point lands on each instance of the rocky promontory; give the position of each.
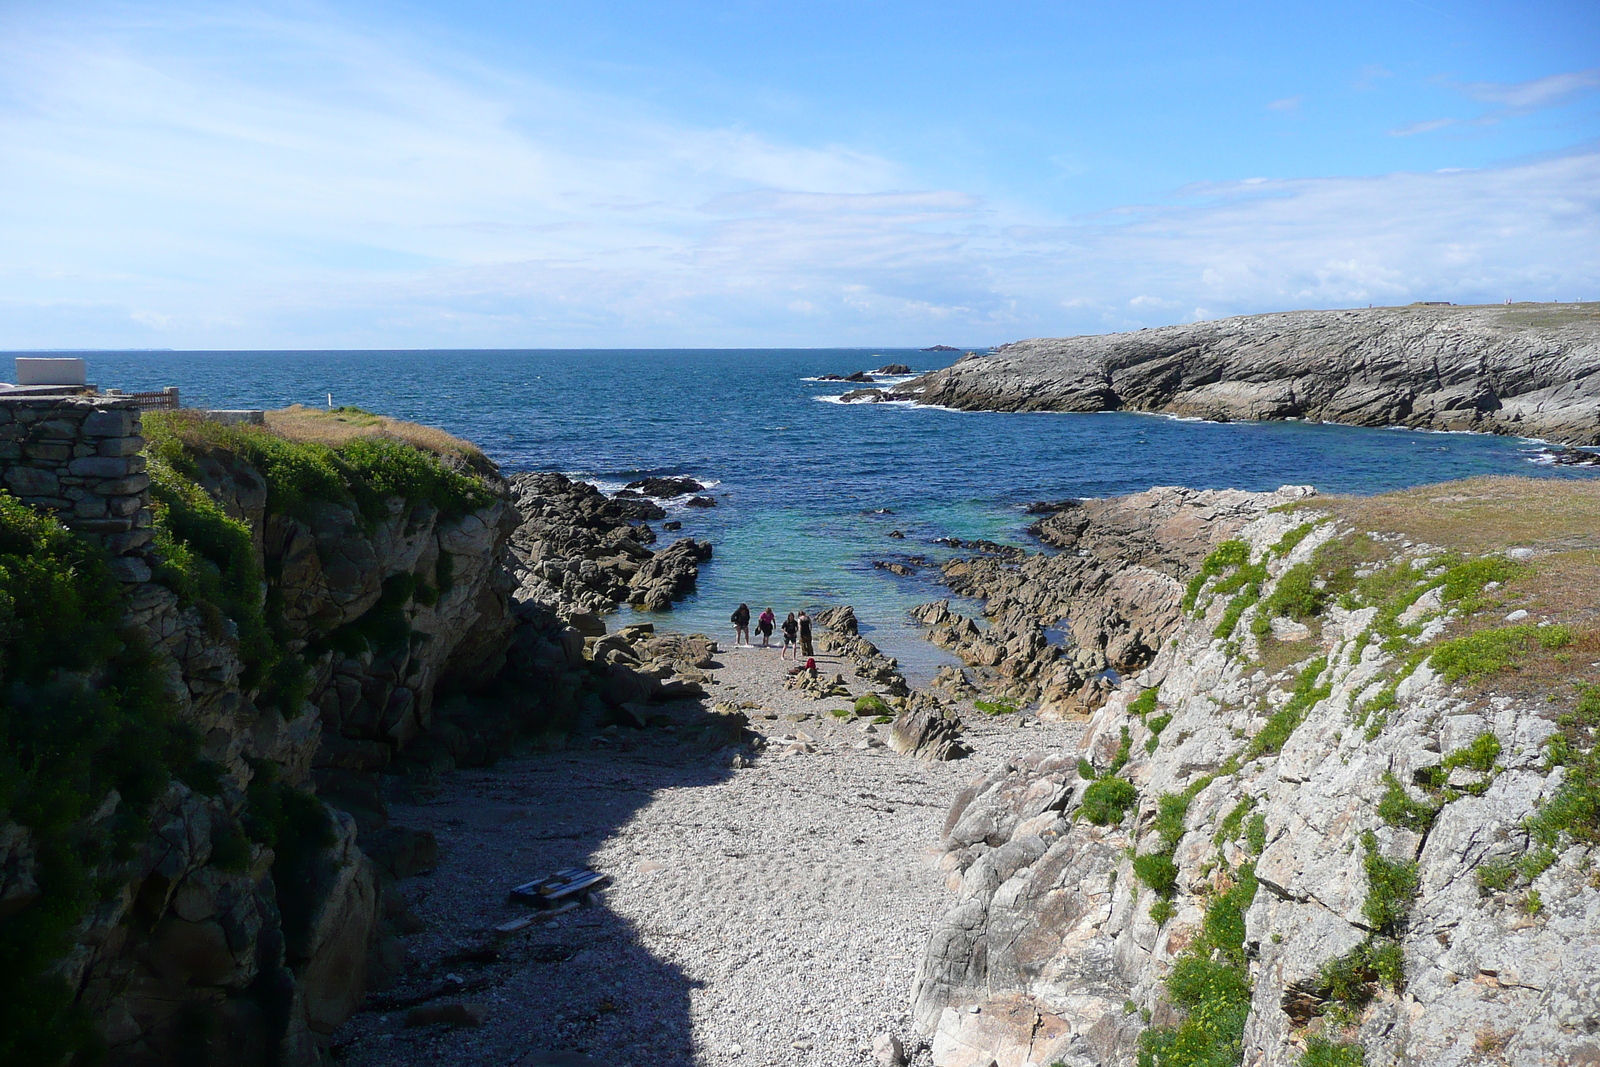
(1526, 369)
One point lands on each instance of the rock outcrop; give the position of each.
(1279, 837)
(1532, 370)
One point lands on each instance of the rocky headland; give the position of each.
(1526, 369)
(1341, 808)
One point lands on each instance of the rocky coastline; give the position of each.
(1527, 370)
(1312, 820)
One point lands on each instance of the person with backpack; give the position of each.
(741, 625)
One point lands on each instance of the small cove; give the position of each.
(809, 493)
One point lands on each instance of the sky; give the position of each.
(506, 174)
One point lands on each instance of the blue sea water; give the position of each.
(798, 479)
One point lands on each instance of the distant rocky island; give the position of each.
(1525, 369)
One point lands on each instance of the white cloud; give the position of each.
(319, 187)
(1534, 94)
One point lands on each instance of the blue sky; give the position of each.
(616, 175)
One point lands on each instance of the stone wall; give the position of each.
(79, 457)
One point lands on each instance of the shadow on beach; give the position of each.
(581, 982)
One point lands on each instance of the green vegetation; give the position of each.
(1478, 756)
(1233, 822)
(1145, 702)
(1226, 557)
(1211, 983)
(1352, 980)
(363, 471)
(1295, 596)
(995, 707)
(1157, 724)
(1086, 770)
(1255, 832)
(841, 713)
(1107, 800)
(871, 704)
(1289, 541)
(83, 712)
(1321, 1052)
(1399, 808)
(1391, 887)
(1286, 720)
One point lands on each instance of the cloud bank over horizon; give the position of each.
(233, 179)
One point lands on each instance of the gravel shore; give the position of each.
(764, 910)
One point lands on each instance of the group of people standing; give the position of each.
(796, 630)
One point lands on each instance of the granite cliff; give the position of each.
(1341, 808)
(1526, 369)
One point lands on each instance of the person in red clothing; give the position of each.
(764, 627)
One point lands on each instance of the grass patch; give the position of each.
(1321, 1052)
(1255, 832)
(1157, 724)
(1228, 829)
(995, 707)
(1283, 723)
(1225, 557)
(1391, 887)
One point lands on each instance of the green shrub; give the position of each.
(1478, 756)
(1391, 887)
(1496, 874)
(1321, 1052)
(1162, 909)
(1107, 800)
(1256, 833)
(1211, 983)
(1124, 749)
(1485, 652)
(83, 711)
(1295, 596)
(1249, 579)
(1463, 582)
(1397, 808)
(1085, 770)
(1287, 543)
(1157, 871)
(1145, 702)
(1171, 811)
(1157, 724)
(995, 707)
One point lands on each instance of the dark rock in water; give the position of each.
(864, 396)
(627, 494)
(992, 548)
(1572, 457)
(942, 348)
(899, 568)
(666, 487)
(673, 526)
(1049, 507)
(878, 511)
(896, 534)
(953, 542)
(632, 509)
(893, 368)
(700, 502)
(858, 376)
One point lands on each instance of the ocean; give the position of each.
(807, 490)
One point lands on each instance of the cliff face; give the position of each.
(264, 635)
(1349, 801)
(1532, 370)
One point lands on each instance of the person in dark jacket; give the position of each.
(791, 631)
(741, 625)
(805, 633)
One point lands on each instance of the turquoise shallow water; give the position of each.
(795, 476)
